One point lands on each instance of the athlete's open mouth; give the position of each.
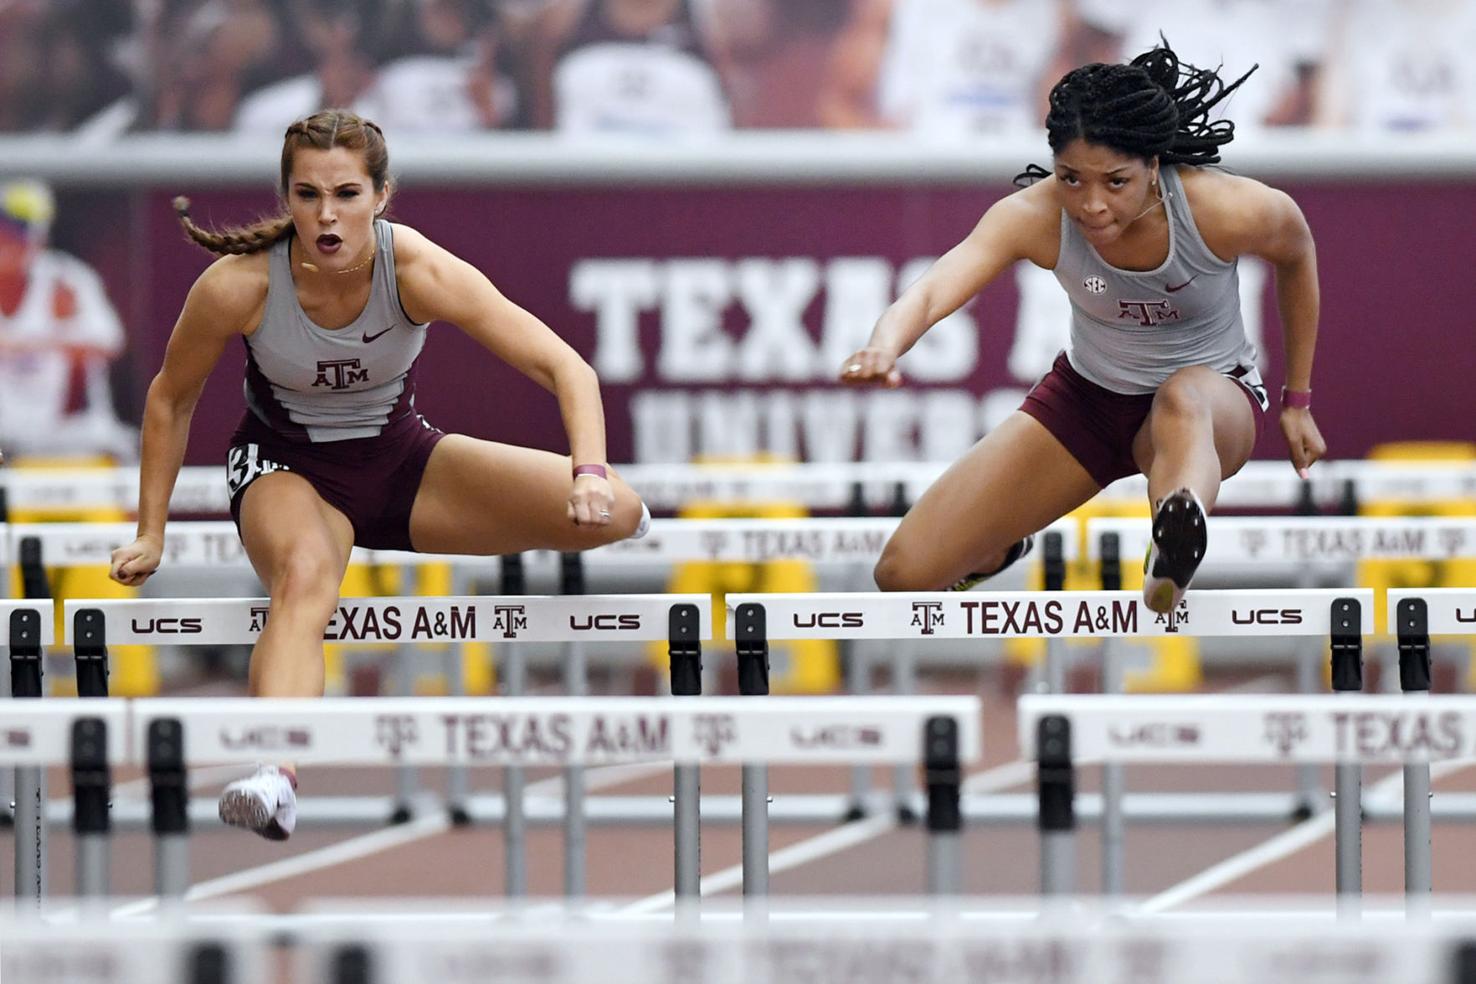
(329, 243)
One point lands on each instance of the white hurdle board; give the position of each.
(39, 732)
(511, 731)
(913, 942)
(1367, 728)
(215, 544)
(42, 607)
(471, 618)
(137, 951)
(1332, 539)
(208, 543)
(1261, 483)
(1450, 611)
(1047, 614)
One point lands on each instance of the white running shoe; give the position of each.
(1179, 541)
(265, 803)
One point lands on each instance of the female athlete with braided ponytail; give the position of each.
(1159, 377)
(333, 302)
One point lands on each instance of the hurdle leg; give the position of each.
(30, 785)
(1347, 678)
(575, 822)
(514, 819)
(1413, 631)
(30, 834)
(904, 682)
(170, 795)
(687, 791)
(1113, 784)
(1308, 785)
(1056, 784)
(1054, 673)
(945, 818)
(405, 775)
(7, 776)
(858, 674)
(458, 784)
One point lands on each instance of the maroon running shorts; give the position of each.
(1097, 426)
(371, 480)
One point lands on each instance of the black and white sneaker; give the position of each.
(1020, 549)
(1179, 540)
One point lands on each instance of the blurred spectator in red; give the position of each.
(781, 53)
(58, 334)
(457, 73)
(1401, 65)
(945, 67)
(1286, 38)
(650, 67)
(341, 40)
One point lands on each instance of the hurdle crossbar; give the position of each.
(1055, 614)
(1449, 611)
(508, 731)
(1277, 728)
(472, 618)
(1299, 540)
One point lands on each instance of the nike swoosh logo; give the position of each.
(1174, 290)
(369, 338)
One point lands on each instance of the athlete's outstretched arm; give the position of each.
(1024, 225)
(438, 286)
(1285, 241)
(217, 308)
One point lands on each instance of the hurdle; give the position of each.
(1343, 616)
(838, 542)
(1308, 544)
(168, 735)
(1350, 730)
(681, 620)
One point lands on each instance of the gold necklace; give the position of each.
(313, 267)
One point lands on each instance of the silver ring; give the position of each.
(854, 367)
(605, 513)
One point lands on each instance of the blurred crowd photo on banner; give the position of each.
(661, 68)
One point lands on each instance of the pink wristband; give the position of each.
(1296, 399)
(598, 470)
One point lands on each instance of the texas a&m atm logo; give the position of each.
(340, 374)
(927, 616)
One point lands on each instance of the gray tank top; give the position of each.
(1131, 330)
(310, 383)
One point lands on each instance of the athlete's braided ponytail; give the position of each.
(1154, 107)
(253, 238)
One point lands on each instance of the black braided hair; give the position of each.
(1154, 107)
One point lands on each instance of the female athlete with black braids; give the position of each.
(1159, 377)
(325, 458)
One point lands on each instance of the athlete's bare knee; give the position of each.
(1182, 396)
(306, 580)
(895, 572)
